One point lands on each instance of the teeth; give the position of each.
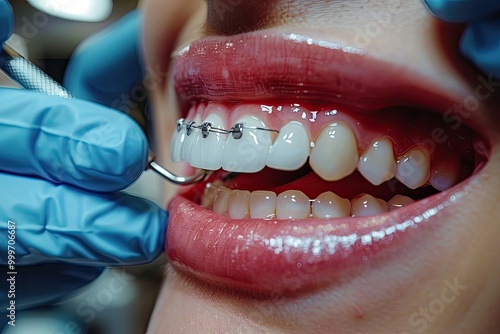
(377, 163)
(208, 195)
(239, 204)
(262, 204)
(329, 205)
(399, 201)
(249, 153)
(207, 152)
(177, 143)
(445, 173)
(335, 154)
(221, 201)
(292, 204)
(367, 205)
(291, 148)
(187, 145)
(413, 168)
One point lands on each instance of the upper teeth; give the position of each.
(248, 147)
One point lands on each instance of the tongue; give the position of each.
(312, 185)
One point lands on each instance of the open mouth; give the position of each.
(320, 158)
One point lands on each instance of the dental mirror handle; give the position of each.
(31, 77)
(28, 75)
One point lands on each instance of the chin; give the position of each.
(349, 192)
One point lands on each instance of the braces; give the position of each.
(206, 128)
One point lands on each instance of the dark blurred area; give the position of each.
(51, 40)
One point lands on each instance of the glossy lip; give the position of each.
(278, 256)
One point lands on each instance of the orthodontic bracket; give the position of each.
(207, 127)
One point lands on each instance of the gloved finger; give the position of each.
(43, 285)
(480, 43)
(63, 224)
(6, 20)
(106, 67)
(461, 10)
(68, 140)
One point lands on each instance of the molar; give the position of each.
(292, 204)
(249, 153)
(413, 168)
(330, 205)
(207, 152)
(445, 173)
(335, 153)
(367, 205)
(291, 148)
(399, 201)
(377, 163)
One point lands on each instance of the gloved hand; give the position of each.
(61, 163)
(480, 41)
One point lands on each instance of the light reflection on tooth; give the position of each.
(377, 163)
(291, 148)
(221, 201)
(330, 205)
(367, 205)
(292, 204)
(262, 204)
(335, 153)
(207, 152)
(249, 153)
(399, 201)
(239, 204)
(413, 168)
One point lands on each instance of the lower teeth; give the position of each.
(294, 204)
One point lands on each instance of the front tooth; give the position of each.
(367, 205)
(292, 204)
(330, 205)
(291, 148)
(413, 168)
(262, 204)
(207, 152)
(377, 163)
(177, 142)
(399, 201)
(187, 145)
(221, 201)
(239, 204)
(249, 153)
(335, 153)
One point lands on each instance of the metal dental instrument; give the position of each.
(31, 77)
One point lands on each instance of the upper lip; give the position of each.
(267, 65)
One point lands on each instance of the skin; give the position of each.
(393, 296)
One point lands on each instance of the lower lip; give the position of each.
(283, 256)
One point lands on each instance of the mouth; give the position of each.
(322, 158)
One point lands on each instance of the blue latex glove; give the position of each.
(480, 42)
(61, 163)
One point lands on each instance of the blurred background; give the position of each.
(121, 300)
(51, 40)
